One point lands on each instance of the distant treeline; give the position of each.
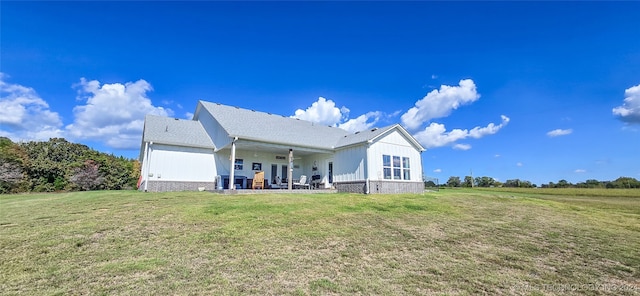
(58, 165)
(468, 181)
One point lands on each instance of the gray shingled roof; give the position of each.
(266, 127)
(173, 131)
(362, 136)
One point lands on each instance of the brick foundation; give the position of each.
(353, 187)
(162, 186)
(380, 187)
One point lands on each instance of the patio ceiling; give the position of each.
(262, 147)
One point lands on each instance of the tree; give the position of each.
(625, 182)
(13, 161)
(87, 176)
(518, 183)
(468, 181)
(485, 181)
(453, 181)
(563, 184)
(60, 165)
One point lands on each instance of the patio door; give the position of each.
(284, 173)
(330, 172)
(274, 173)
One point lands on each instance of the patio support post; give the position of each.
(232, 177)
(290, 172)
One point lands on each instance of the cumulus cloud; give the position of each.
(436, 135)
(559, 132)
(519, 164)
(24, 116)
(580, 171)
(440, 103)
(362, 122)
(113, 113)
(325, 112)
(630, 110)
(437, 171)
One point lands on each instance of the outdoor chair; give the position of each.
(258, 180)
(277, 184)
(302, 183)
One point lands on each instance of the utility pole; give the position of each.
(472, 180)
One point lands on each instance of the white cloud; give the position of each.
(497, 155)
(323, 112)
(362, 122)
(394, 114)
(580, 171)
(437, 171)
(462, 146)
(435, 135)
(114, 113)
(440, 103)
(188, 115)
(519, 164)
(630, 109)
(559, 132)
(24, 116)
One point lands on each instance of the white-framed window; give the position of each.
(406, 172)
(397, 171)
(386, 166)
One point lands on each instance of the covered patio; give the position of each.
(284, 167)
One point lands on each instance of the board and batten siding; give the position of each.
(177, 163)
(393, 144)
(349, 164)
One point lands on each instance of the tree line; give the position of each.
(469, 181)
(59, 165)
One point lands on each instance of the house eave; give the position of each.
(180, 144)
(283, 144)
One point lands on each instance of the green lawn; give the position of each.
(454, 242)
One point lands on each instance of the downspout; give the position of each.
(368, 184)
(366, 171)
(147, 148)
(290, 172)
(232, 181)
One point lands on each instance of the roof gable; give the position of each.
(362, 136)
(374, 134)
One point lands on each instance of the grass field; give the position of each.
(453, 242)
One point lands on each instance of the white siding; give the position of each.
(393, 144)
(349, 164)
(176, 163)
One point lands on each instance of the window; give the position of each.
(396, 168)
(239, 164)
(405, 168)
(386, 166)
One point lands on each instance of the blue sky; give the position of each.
(539, 91)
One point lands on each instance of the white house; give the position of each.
(224, 143)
